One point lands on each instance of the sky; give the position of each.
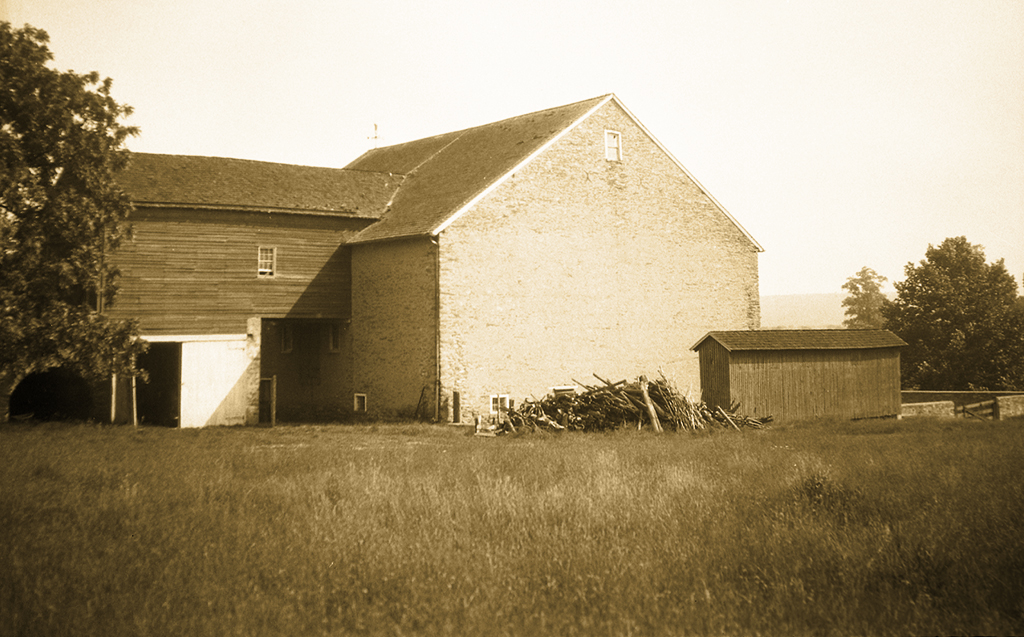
(839, 134)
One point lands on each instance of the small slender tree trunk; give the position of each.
(7, 385)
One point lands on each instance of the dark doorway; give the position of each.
(160, 396)
(56, 394)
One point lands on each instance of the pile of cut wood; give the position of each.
(618, 405)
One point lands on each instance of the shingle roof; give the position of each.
(803, 339)
(241, 183)
(445, 172)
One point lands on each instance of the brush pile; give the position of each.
(618, 405)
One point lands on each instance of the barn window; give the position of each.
(266, 262)
(334, 337)
(612, 145)
(359, 403)
(499, 402)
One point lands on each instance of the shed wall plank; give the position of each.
(817, 383)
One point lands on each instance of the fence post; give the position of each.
(273, 400)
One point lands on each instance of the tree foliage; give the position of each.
(962, 319)
(865, 300)
(61, 214)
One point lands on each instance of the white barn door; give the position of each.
(219, 382)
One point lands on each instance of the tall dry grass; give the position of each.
(811, 528)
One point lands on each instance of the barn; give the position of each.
(436, 278)
(792, 374)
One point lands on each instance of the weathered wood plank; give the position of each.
(195, 271)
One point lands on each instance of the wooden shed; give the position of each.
(791, 374)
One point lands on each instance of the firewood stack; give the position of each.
(618, 405)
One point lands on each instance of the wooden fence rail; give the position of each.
(985, 410)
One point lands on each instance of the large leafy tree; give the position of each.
(865, 300)
(962, 320)
(61, 214)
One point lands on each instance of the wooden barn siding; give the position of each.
(714, 373)
(815, 383)
(194, 272)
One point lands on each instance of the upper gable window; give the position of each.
(266, 262)
(612, 145)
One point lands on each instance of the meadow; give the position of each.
(811, 528)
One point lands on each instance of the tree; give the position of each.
(962, 320)
(865, 302)
(61, 213)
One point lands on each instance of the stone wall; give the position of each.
(394, 325)
(577, 265)
(937, 408)
(1010, 406)
(958, 397)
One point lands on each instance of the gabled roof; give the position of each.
(412, 189)
(446, 172)
(748, 340)
(218, 182)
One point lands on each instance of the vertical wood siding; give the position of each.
(194, 271)
(714, 373)
(815, 383)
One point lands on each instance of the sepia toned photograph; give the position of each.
(511, 318)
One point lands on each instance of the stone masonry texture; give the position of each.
(394, 325)
(576, 266)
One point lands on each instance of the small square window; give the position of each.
(499, 402)
(334, 337)
(359, 403)
(287, 339)
(612, 145)
(266, 262)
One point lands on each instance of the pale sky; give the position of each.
(840, 134)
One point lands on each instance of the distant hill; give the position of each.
(802, 311)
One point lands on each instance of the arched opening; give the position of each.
(56, 394)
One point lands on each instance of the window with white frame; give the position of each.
(612, 145)
(266, 262)
(359, 403)
(499, 402)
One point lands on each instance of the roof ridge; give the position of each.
(803, 339)
(458, 135)
(463, 131)
(844, 330)
(243, 159)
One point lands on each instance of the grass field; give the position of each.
(845, 528)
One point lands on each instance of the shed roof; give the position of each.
(803, 339)
(219, 182)
(445, 172)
